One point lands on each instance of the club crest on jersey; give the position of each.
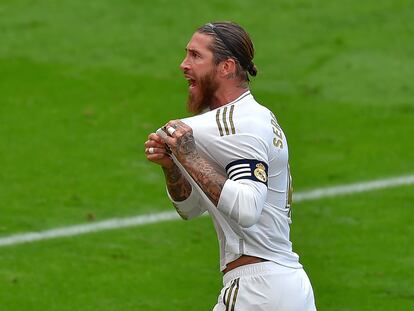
(260, 172)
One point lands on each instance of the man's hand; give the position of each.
(156, 151)
(181, 141)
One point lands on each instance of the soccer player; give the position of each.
(231, 159)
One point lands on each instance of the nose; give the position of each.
(184, 66)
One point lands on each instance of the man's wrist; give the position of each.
(178, 187)
(172, 173)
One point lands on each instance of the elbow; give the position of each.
(243, 203)
(188, 214)
(250, 214)
(247, 221)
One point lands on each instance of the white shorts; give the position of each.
(266, 286)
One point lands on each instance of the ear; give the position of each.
(228, 67)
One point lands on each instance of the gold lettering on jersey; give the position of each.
(218, 122)
(260, 172)
(233, 129)
(276, 129)
(278, 140)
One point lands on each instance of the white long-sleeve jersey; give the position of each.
(243, 141)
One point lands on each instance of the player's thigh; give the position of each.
(296, 293)
(287, 291)
(284, 290)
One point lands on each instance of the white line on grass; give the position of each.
(141, 220)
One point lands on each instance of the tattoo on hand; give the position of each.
(186, 145)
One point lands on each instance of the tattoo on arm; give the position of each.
(178, 187)
(211, 181)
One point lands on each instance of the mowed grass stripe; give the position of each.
(117, 223)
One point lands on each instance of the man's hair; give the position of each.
(231, 41)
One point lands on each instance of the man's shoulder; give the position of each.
(199, 120)
(243, 116)
(251, 117)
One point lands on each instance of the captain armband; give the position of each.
(248, 169)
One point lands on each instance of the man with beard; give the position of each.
(231, 159)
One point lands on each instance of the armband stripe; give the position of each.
(241, 176)
(238, 166)
(239, 171)
(248, 169)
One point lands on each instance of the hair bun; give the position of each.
(252, 69)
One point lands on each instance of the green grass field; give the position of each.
(83, 83)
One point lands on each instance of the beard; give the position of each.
(207, 87)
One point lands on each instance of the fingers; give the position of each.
(171, 130)
(152, 150)
(154, 144)
(176, 129)
(157, 156)
(157, 151)
(155, 137)
(157, 147)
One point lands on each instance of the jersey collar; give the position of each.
(238, 99)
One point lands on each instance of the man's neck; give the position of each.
(223, 97)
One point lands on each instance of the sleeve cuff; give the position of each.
(188, 208)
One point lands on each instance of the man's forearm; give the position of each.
(178, 187)
(209, 180)
(182, 144)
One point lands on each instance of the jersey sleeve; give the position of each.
(190, 207)
(245, 162)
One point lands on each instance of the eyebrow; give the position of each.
(191, 50)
